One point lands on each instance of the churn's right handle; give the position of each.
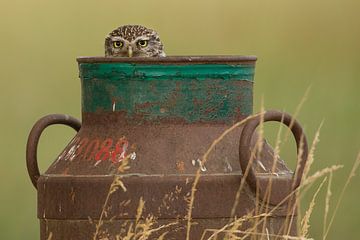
(245, 147)
(34, 136)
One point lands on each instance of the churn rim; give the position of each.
(216, 59)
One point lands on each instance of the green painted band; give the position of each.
(188, 92)
(120, 71)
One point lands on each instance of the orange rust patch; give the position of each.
(180, 166)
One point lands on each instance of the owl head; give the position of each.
(133, 41)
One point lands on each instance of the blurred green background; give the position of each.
(298, 44)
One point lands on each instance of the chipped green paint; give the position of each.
(189, 92)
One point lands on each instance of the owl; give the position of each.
(133, 41)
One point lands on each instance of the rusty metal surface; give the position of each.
(151, 145)
(164, 150)
(84, 229)
(80, 197)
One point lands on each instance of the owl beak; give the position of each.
(130, 51)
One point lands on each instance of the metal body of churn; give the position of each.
(161, 114)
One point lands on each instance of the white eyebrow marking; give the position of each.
(141, 38)
(117, 38)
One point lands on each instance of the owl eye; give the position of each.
(142, 43)
(118, 44)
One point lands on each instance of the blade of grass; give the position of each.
(351, 175)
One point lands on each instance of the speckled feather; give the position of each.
(129, 35)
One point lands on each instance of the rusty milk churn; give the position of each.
(136, 165)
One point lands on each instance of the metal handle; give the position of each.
(245, 147)
(34, 136)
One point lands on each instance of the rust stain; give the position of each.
(180, 166)
(66, 171)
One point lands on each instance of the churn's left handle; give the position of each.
(34, 136)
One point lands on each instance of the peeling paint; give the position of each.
(113, 106)
(202, 166)
(223, 91)
(228, 167)
(133, 155)
(71, 154)
(96, 149)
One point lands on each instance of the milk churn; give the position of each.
(137, 161)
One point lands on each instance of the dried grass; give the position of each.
(50, 236)
(306, 220)
(327, 202)
(115, 185)
(351, 175)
